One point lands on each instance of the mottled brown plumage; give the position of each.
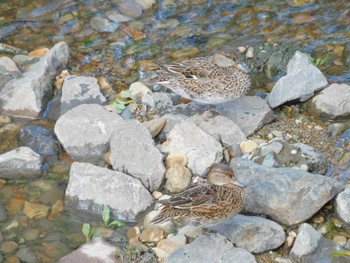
(211, 79)
(221, 197)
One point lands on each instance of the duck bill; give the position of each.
(244, 68)
(240, 184)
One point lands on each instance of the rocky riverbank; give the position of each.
(297, 201)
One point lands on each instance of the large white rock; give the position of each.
(254, 234)
(332, 103)
(303, 79)
(212, 248)
(79, 90)
(85, 130)
(91, 187)
(26, 96)
(200, 148)
(221, 128)
(133, 151)
(310, 246)
(287, 195)
(20, 162)
(342, 205)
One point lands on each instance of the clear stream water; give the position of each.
(166, 31)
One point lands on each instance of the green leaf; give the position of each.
(117, 223)
(324, 59)
(342, 253)
(127, 94)
(105, 215)
(121, 106)
(86, 229)
(119, 101)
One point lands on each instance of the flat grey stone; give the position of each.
(310, 247)
(201, 149)
(212, 248)
(342, 205)
(101, 24)
(91, 187)
(331, 103)
(3, 214)
(20, 162)
(250, 113)
(85, 130)
(7, 66)
(221, 128)
(252, 233)
(26, 255)
(287, 195)
(26, 96)
(95, 251)
(303, 79)
(79, 90)
(133, 151)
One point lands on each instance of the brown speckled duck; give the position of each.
(205, 203)
(211, 79)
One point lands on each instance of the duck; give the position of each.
(205, 203)
(209, 80)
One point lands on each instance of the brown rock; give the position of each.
(302, 18)
(176, 158)
(39, 52)
(12, 259)
(185, 53)
(169, 245)
(56, 209)
(152, 234)
(8, 247)
(155, 126)
(248, 146)
(177, 178)
(35, 211)
(133, 232)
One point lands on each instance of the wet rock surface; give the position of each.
(133, 151)
(85, 131)
(304, 193)
(303, 79)
(254, 234)
(214, 247)
(26, 97)
(91, 187)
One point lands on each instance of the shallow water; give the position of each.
(167, 31)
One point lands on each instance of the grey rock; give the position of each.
(130, 8)
(252, 233)
(342, 204)
(250, 113)
(27, 95)
(26, 255)
(90, 188)
(40, 139)
(227, 132)
(315, 160)
(212, 248)
(310, 246)
(133, 151)
(8, 66)
(3, 214)
(171, 120)
(157, 101)
(278, 153)
(97, 250)
(303, 79)
(79, 90)
(200, 148)
(287, 195)
(85, 130)
(117, 17)
(103, 25)
(331, 103)
(20, 162)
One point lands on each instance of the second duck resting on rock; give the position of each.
(206, 203)
(211, 79)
